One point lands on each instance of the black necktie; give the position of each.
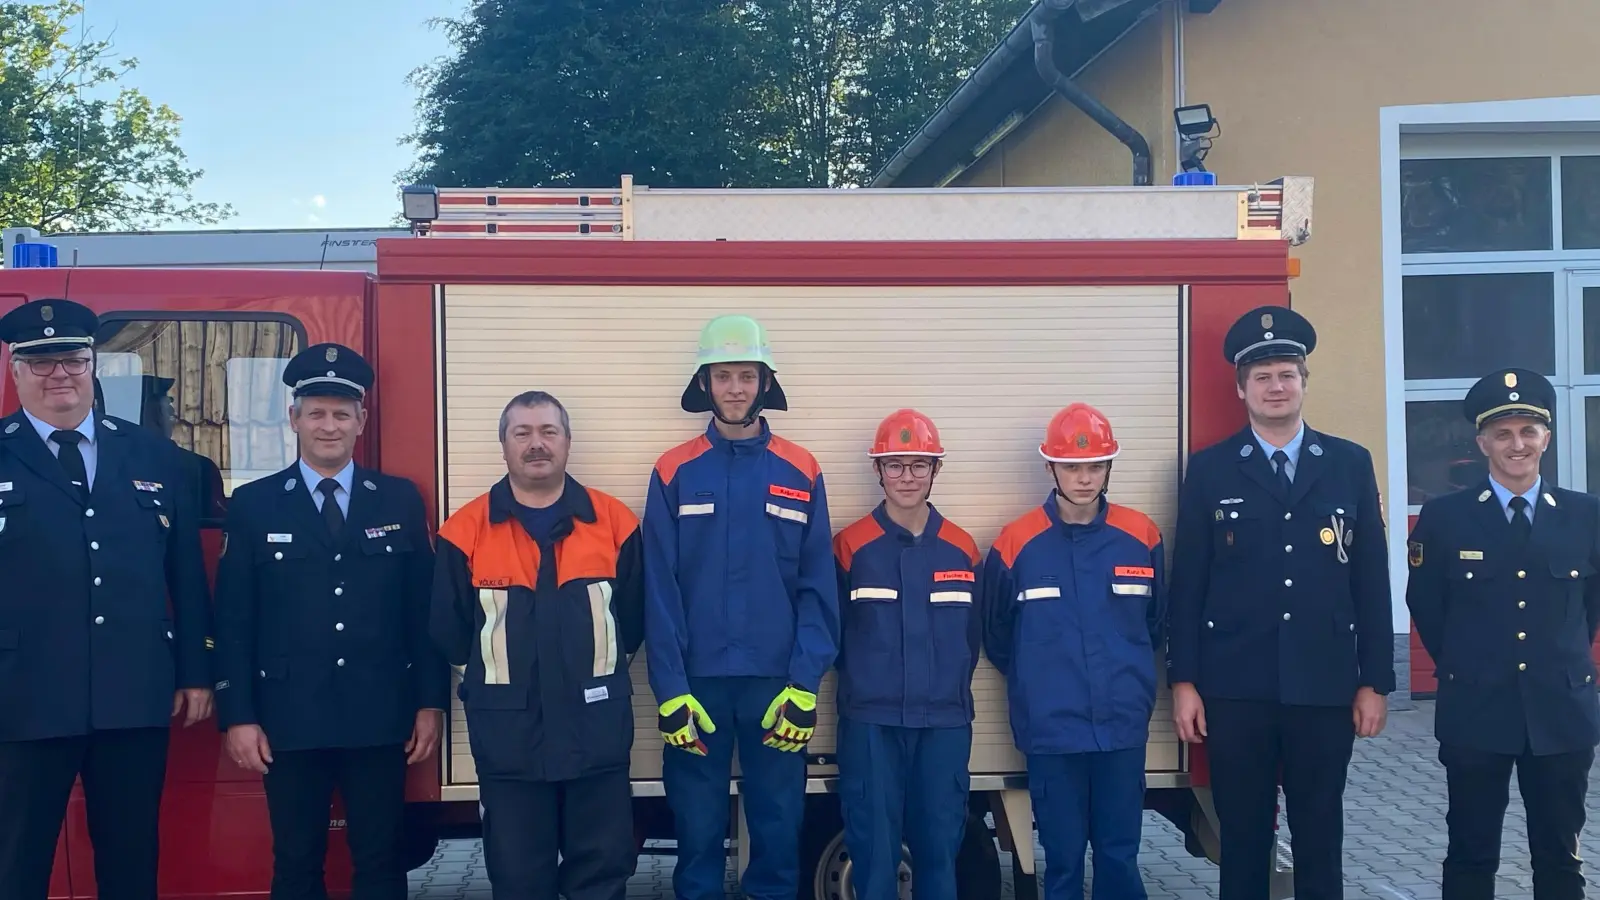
(1521, 527)
(330, 507)
(72, 460)
(1281, 460)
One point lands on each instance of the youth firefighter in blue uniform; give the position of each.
(1282, 645)
(1504, 593)
(1073, 609)
(909, 645)
(741, 617)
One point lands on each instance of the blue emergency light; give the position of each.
(33, 256)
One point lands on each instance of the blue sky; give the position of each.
(294, 108)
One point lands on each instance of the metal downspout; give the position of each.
(1044, 61)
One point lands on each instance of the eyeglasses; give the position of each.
(919, 469)
(43, 368)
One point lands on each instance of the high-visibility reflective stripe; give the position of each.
(605, 628)
(874, 594)
(1139, 589)
(1039, 593)
(784, 512)
(950, 597)
(492, 639)
(697, 509)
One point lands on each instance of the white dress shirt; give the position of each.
(88, 448)
(346, 478)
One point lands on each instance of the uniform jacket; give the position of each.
(912, 624)
(1280, 598)
(545, 631)
(739, 565)
(1072, 618)
(1510, 628)
(104, 612)
(323, 641)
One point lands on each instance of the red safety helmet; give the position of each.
(906, 432)
(1079, 434)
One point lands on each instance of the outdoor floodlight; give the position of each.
(419, 203)
(1194, 121)
(1196, 128)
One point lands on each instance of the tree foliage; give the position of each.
(692, 93)
(70, 160)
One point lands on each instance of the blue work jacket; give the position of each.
(739, 574)
(1072, 618)
(912, 626)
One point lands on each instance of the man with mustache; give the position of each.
(1505, 594)
(326, 677)
(1281, 645)
(742, 614)
(104, 618)
(538, 600)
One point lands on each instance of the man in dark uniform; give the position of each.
(104, 618)
(326, 674)
(1281, 648)
(1504, 592)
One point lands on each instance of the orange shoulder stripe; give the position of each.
(615, 513)
(797, 456)
(1135, 523)
(856, 535)
(1017, 535)
(667, 465)
(498, 556)
(952, 533)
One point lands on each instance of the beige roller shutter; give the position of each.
(990, 365)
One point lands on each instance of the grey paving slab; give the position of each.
(1394, 828)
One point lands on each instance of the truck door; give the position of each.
(197, 356)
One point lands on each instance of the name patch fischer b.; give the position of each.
(954, 575)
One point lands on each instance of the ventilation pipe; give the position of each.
(1044, 61)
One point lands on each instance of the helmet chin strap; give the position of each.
(755, 408)
(1060, 491)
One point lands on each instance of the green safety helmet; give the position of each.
(732, 339)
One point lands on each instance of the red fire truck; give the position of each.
(987, 308)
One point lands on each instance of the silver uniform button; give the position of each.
(1286, 617)
(1288, 548)
(338, 556)
(278, 555)
(99, 620)
(339, 626)
(97, 581)
(89, 513)
(1288, 516)
(338, 592)
(341, 662)
(1288, 582)
(94, 545)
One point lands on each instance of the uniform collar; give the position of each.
(45, 429)
(1054, 512)
(900, 532)
(1503, 494)
(346, 477)
(574, 501)
(742, 445)
(1291, 449)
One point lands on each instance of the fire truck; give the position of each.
(987, 308)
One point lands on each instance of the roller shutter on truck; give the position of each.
(989, 364)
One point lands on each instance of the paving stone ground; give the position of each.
(1394, 836)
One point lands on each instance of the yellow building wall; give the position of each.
(1297, 87)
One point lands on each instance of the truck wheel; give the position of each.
(831, 878)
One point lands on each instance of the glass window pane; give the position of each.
(1580, 202)
(1591, 330)
(1461, 326)
(1442, 452)
(1475, 205)
(1591, 440)
(212, 387)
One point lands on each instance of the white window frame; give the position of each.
(1546, 127)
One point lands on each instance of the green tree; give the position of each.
(71, 160)
(579, 92)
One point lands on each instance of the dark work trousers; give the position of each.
(586, 822)
(123, 774)
(1090, 799)
(906, 784)
(773, 789)
(1247, 742)
(1553, 792)
(372, 783)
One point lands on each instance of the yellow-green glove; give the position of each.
(678, 727)
(791, 719)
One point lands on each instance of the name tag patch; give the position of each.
(1134, 572)
(280, 538)
(4, 486)
(492, 583)
(954, 575)
(595, 694)
(779, 490)
(1472, 554)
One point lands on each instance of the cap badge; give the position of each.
(1083, 441)
(1266, 320)
(1511, 379)
(332, 354)
(1267, 335)
(49, 332)
(905, 435)
(47, 313)
(1514, 396)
